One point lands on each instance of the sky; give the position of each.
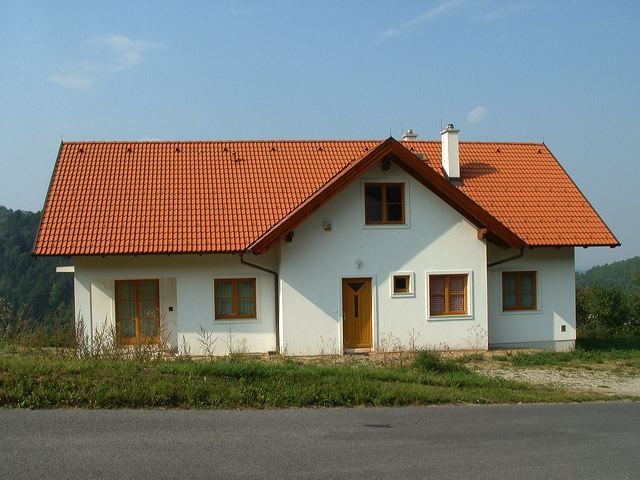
(566, 73)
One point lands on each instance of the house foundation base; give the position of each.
(547, 346)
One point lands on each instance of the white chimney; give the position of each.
(409, 136)
(450, 151)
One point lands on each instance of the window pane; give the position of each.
(125, 292)
(436, 285)
(456, 303)
(245, 297)
(509, 299)
(373, 193)
(148, 326)
(148, 291)
(527, 297)
(456, 284)
(245, 289)
(224, 307)
(373, 212)
(394, 194)
(128, 327)
(224, 289)
(148, 322)
(245, 306)
(437, 304)
(394, 212)
(400, 283)
(126, 310)
(373, 203)
(126, 319)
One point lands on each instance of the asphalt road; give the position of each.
(586, 441)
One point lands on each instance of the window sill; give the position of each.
(440, 318)
(403, 295)
(232, 321)
(507, 313)
(385, 226)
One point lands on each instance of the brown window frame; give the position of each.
(234, 302)
(138, 339)
(404, 291)
(384, 204)
(447, 294)
(534, 286)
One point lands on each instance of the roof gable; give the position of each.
(390, 150)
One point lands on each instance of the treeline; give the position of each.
(31, 292)
(608, 299)
(621, 275)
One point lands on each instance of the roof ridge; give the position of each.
(318, 140)
(102, 142)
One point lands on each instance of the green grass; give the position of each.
(38, 381)
(589, 352)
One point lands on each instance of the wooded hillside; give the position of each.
(30, 288)
(624, 275)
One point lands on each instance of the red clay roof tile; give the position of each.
(196, 197)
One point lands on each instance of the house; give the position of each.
(311, 247)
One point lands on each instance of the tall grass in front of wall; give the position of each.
(38, 381)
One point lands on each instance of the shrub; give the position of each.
(433, 362)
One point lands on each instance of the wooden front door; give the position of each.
(137, 312)
(356, 312)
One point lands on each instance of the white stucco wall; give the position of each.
(186, 285)
(436, 239)
(541, 328)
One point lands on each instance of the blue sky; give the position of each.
(564, 72)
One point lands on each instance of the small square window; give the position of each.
(401, 284)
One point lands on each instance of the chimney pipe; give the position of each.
(450, 151)
(409, 136)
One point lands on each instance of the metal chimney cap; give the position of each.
(409, 135)
(450, 129)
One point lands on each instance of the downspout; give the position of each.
(276, 282)
(508, 259)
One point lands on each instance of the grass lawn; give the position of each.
(31, 380)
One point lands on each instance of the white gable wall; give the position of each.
(542, 327)
(437, 239)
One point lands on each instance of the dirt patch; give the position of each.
(596, 381)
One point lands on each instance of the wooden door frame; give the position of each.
(372, 277)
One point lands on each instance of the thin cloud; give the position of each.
(418, 21)
(484, 11)
(80, 76)
(477, 114)
(113, 54)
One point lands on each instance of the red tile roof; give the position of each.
(197, 197)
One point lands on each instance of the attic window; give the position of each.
(384, 203)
